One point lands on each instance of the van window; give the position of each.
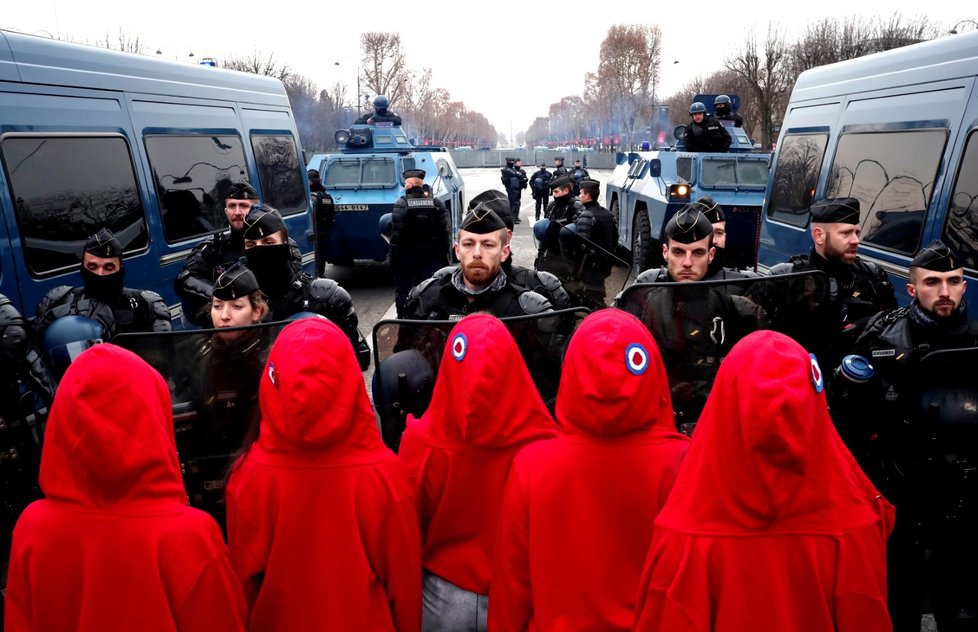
(892, 175)
(360, 173)
(799, 161)
(281, 176)
(198, 166)
(62, 197)
(961, 228)
(684, 168)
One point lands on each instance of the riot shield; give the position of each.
(696, 324)
(407, 354)
(213, 377)
(592, 275)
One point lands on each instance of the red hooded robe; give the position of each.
(578, 511)
(460, 451)
(771, 524)
(321, 521)
(114, 546)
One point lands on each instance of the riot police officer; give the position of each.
(514, 180)
(102, 297)
(381, 113)
(596, 223)
(323, 209)
(918, 444)
(211, 257)
(478, 283)
(420, 237)
(717, 269)
(543, 283)
(579, 173)
(688, 251)
(269, 256)
(562, 211)
(705, 133)
(857, 289)
(540, 187)
(722, 105)
(559, 168)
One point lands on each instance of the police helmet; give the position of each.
(540, 229)
(722, 100)
(697, 108)
(402, 385)
(381, 102)
(385, 224)
(67, 337)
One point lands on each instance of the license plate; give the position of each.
(352, 207)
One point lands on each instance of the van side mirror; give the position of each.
(655, 168)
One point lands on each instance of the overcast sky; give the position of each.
(509, 61)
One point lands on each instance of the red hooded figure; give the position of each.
(771, 524)
(577, 515)
(483, 410)
(321, 521)
(114, 545)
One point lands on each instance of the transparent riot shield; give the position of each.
(213, 377)
(592, 275)
(407, 354)
(696, 324)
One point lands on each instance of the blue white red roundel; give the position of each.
(636, 358)
(817, 378)
(460, 344)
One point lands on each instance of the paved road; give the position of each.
(370, 283)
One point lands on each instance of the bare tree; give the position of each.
(383, 68)
(628, 73)
(765, 75)
(259, 63)
(126, 42)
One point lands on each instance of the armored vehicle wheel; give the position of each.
(616, 212)
(643, 257)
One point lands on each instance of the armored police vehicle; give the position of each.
(648, 187)
(149, 148)
(895, 130)
(365, 179)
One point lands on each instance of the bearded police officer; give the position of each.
(857, 289)
(543, 283)
(918, 444)
(211, 257)
(420, 237)
(478, 283)
(269, 256)
(102, 297)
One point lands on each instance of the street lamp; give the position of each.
(954, 29)
(359, 95)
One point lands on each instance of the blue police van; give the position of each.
(91, 137)
(365, 179)
(897, 131)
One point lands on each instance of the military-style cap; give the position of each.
(414, 173)
(236, 282)
(481, 220)
(561, 181)
(689, 224)
(485, 196)
(590, 185)
(104, 244)
(242, 191)
(711, 209)
(560, 158)
(312, 172)
(937, 257)
(836, 211)
(261, 221)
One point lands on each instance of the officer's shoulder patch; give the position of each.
(883, 353)
(422, 202)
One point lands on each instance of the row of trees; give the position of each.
(429, 113)
(617, 103)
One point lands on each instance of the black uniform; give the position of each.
(738, 120)
(440, 298)
(324, 215)
(709, 135)
(26, 394)
(560, 169)
(540, 188)
(596, 224)
(420, 237)
(856, 293)
(922, 459)
(578, 173)
(127, 312)
(561, 212)
(514, 180)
